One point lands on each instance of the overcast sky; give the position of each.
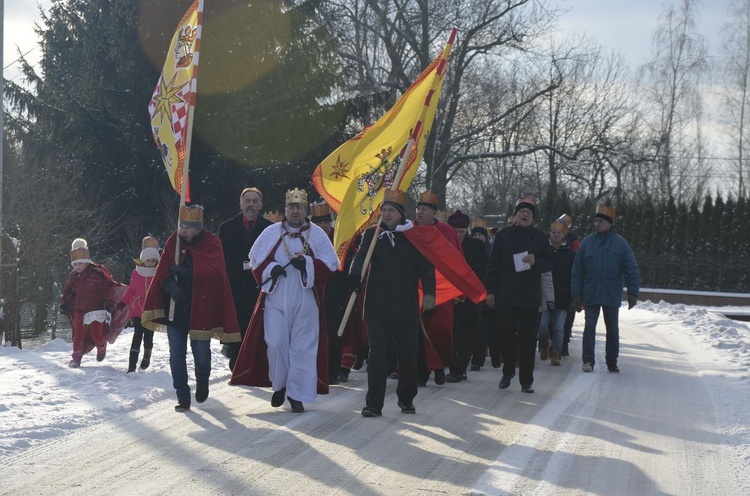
(624, 26)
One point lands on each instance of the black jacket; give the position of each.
(393, 279)
(561, 262)
(475, 253)
(236, 242)
(517, 289)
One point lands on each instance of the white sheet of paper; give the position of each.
(521, 265)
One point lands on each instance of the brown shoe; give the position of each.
(544, 350)
(554, 358)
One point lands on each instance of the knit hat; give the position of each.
(605, 212)
(149, 253)
(397, 199)
(526, 202)
(429, 199)
(191, 216)
(79, 251)
(481, 231)
(459, 220)
(320, 212)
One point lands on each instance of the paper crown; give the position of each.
(296, 195)
(428, 198)
(527, 202)
(320, 211)
(273, 216)
(79, 251)
(191, 216)
(149, 242)
(479, 222)
(563, 223)
(395, 196)
(605, 212)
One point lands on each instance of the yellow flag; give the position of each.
(175, 93)
(354, 177)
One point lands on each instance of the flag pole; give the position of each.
(399, 174)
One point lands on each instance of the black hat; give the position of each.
(481, 231)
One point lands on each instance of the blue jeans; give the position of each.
(558, 327)
(611, 322)
(178, 362)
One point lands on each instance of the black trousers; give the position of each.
(487, 336)
(140, 333)
(517, 328)
(465, 330)
(405, 337)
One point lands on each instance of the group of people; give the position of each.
(429, 296)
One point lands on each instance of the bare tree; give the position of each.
(671, 84)
(735, 96)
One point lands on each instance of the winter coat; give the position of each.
(561, 262)
(476, 256)
(91, 289)
(236, 242)
(135, 296)
(602, 260)
(511, 288)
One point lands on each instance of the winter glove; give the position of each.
(174, 290)
(277, 272)
(110, 309)
(354, 282)
(550, 305)
(184, 273)
(299, 263)
(64, 309)
(577, 304)
(632, 300)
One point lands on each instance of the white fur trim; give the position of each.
(310, 269)
(405, 226)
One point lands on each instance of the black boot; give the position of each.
(133, 361)
(146, 358)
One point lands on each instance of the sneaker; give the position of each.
(588, 367)
(440, 377)
(406, 407)
(370, 411)
(505, 382)
(278, 397)
(527, 389)
(476, 368)
(201, 394)
(74, 364)
(612, 367)
(182, 407)
(100, 354)
(453, 377)
(297, 406)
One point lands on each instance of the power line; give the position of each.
(20, 57)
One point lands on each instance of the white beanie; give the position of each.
(149, 253)
(79, 251)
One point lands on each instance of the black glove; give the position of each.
(110, 309)
(277, 272)
(632, 300)
(577, 304)
(174, 290)
(64, 309)
(354, 282)
(299, 263)
(184, 273)
(550, 305)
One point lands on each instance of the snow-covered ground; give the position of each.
(676, 420)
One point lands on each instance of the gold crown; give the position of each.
(527, 199)
(606, 210)
(320, 210)
(429, 198)
(395, 196)
(479, 222)
(565, 219)
(296, 196)
(149, 242)
(79, 250)
(273, 216)
(559, 226)
(193, 214)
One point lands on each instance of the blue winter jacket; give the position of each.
(601, 263)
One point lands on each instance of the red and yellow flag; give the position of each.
(354, 177)
(175, 94)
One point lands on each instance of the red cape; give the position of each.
(251, 368)
(212, 313)
(453, 276)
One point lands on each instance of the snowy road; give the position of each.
(655, 428)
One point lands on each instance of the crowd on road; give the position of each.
(410, 299)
